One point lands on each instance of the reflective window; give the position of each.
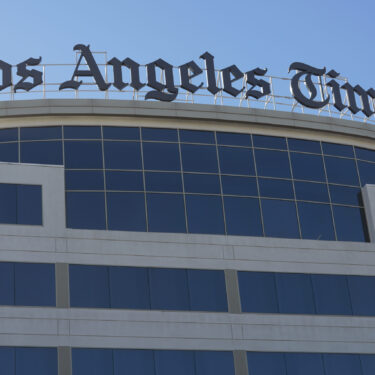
(350, 223)
(366, 171)
(120, 133)
(235, 185)
(82, 132)
(9, 152)
(202, 183)
(161, 156)
(83, 154)
(8, 203)
(92, 361)
(199, 158)
(34, 134)
(365, 154)
(47, 152)
(6, 283)
(214, 363)
(368, 364)
(342, 364)
(362, 293)
(307, 167)
(310, 191)
(304, 364)
(7, 135)
(134, 362)
(236, 161)
(122, 155)
(275, 188)
(84, 180)
(167, 182)
(266, 363)
(341, 171)
(120, 180)
(196, 136)
(272, 163)
(151, 134)
(337, 150)
(8, 360)
(264, 141)
(233, 139)
(35, 361)
(172, 362)
(304, 145)
(345, 195)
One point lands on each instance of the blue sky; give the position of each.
(273, 34)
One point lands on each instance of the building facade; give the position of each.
(160, 238)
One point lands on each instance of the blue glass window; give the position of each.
(126, 211)
(368, 364)
(29, 204)
(233, 139)
(304, 145)
(89, 286)
(167, 182)
(82, 132)
(120, 133)
(342, 364)
(161, 156)
(337, 150)
(119, 180)
(265, 141)
(34, 284)
(6, 283)
(207, 290)
(169, 289)
(275, 188)
(307, 167)
(362, 294)
(129, 288)
(242, 216)
(134, 362)
(83, 154)
(272, 163)
(258, 292)
(304, 364)
(36, 361)
(235, 160)
(151, 134)
(331, 294)
(8, 360)
(166, 213)
(365, 154)
(366, 171)
(214, 363)
(341, 171)
(85, 210)
(202, 183)
(316, 221)
(39, 133)
(8, 135)
(280, 218)
(84, 180)
(197, 136)
(46, 152)
(9, 152)
(204, 214)
(295, 294)
(266, 363)
(350, 223)
(235, 185)
(199, 158)
(345, 195)
(122, 155)
(92, 361)
(173, 362)
(311, 191)
(8, 203)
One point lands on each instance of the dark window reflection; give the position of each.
(202, 183)
(35, 361)
(264, 141)
(365, 154)
(122, 155)
(37, 133)
(8, 135)
(167, 182)
(233, 139)
(368, 363)
(47, 152)
(307, 167)
(82, 132)
(6, 284)
(345, 195)
(276, 188)
(236, 161)
(272, 163)
(119, 180)
(199, 158)
(84, 180)
(342, 364)
(362, 293)
(196, 136)
(92, 361)
(214, 363)
(9, 152)
(136, 362)
(83, 154)
(304, 145)
(266, 363)
(151, 134)
(350, 223)
(120, 133)
(337, 150)
(161, 156)
(366, 171)
(236, 185)
(341, 171)
(311, 191)
(304, 364)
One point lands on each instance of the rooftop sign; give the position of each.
(310, 87)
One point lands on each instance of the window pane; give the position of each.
(167, 182)
(207, 290)
(280, 218)
(85, 210)
(89, 286)
(272, 163)
(129, 288)
(126, 211)
(120, 133)
(275, 188)
(133, 362)
(309, 191)
(199, 158)
(197, 136)
(338, 150)
(362, 294)
(368, 364)
(233, 139)
(235, 185)
(6, 284)
(242, 216)
(84, 180)
(266, 364)
(82, 132)
(83, 154)
(341, 171)
(214, 363)
(166, 213)
(350, 223)
(161, 156)
(265, 141)
(92, 361)
(122, 155)
(29, 204)
(118, 180)
(47, 152)
(174, 362)
(307, 167)
(169, 289)
(36, 361)
(304, 364)
(9, 152)
(342, 364)
(34, 284)
(151, 134)
(7, 360)
(205, 214)
(37, 133)
(295, 293)
(331, 294)
(236, 160)
(258, 292)
(366, 171)
(202, 183)
(365, 154)
(304, 146)
(8, 203)
(345, 195)
(7, 135)
(316, 221)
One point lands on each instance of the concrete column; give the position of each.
(64, 360)
(62, 285)
(368, 195)
(233, 293)
(240, 362)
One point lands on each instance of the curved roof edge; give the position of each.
(108, 107)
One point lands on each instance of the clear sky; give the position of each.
(337, 34)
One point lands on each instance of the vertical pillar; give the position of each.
(240, 362)
(64, 360)
(62, 285)
(233, 293)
